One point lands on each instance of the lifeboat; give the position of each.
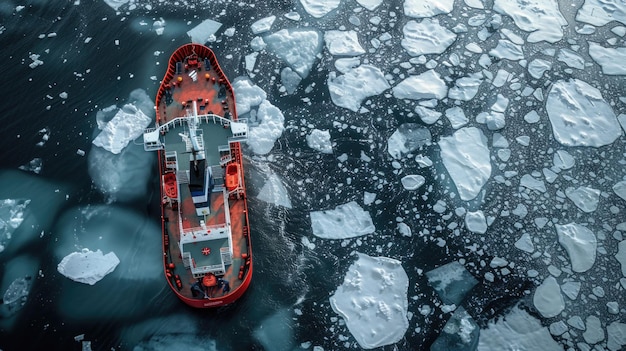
(232, 176)
(169, 185)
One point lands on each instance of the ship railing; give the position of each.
(199, 272)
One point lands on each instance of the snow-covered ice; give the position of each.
(350, 89)
(611, 60)
(456, 117)
(248, 94)
(319, 8)
(274, 192)
(548, 299)
(580, 244)
(407, 138)
(268, 128)
(127, 125)
(420, 9)
(541, 18)
(320, 140)
(263, 25)
(476, 222)
(373, 301)
(601, 12)
(298, 48)
(465, 88)
(412, 181)
(88, 267)
(580, 116)
(517, 328)
(466, 157)
(427, 85)
(343, 43)
(426, 37)
(204, 31)
(451, 282)
(583, 197)
(344, 221)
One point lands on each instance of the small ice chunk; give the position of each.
(413, 181)
(525, 243)
(87, 267)
(373, 301)
(571, 289)
(320, 140)
(563, 160)
(116, 4)
(571, 58)
(248, 95)
(580, 244)
(580, 116)
(368, 198)
(532, 183)
(451, 282)
(428, 85)
(344, 221)
(274, 192)
(343, 43)
(620, 189)
(584, 197)
(476, 222)
(404, 229)
(465, 88)
(263, 25)
(456, 117)
(466, 157)
(538, 67)
(407, 138)
(548, 299)
(127, 125)
(319, 8)
(532, 117)
(345, 64)
(201, 33)
(357, 84)
(426, 37)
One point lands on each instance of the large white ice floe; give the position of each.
(426, 37)
(343, 43)
(320, 140)
(427, 85)
(319, 8)
(580, 244)
(451, 282)
(541, 18)
(127, 125)
(204, 31)
(580, 116)
(407, 138)
(466, 156)
(350, 89)
(420, 8)
(583, 197)
(274, 192)
(298, 48)
(548, 299)
(611, 60)
(248, 94)
(601, 12)
(344, 221)
(88, 267)
(517, 328)
(373, 301)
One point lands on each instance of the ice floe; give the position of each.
(476, 222)
(517, 328)
(580, 116)
(87, 267)
(466, 157)
(465, 88)
(370, 4)
(548, 299)
(373, 301)
(343, 43)
(459, 333)
(601, 12)
(451, 282)
(506, 49)
(320, 140)
(127, 125)
(426, 37)
(298, 48)
(583, 197)
(407, 138)
(263, 25)
(420, 9)
(541, 18)
(580, 244)
(427, 85)
(620, 189)
(319, 8)
(344, 221)
(116, 4)
(204, 32)
(274, 192)
(611, 60)
(11, 216)
(350, 89)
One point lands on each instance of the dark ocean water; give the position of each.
(98, 57)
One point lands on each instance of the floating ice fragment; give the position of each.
(420, 9)
(426, 37)
(451, 282)
(538, 67)
(466, 157)
(248, 94)
(507, 50)
(88, 267)
(320, 140)
(413, 181)
(274, 192)
(594, 332)
(525, 243)
(373, 301)
(289, 79)
(571, 59)
(465, 88)
(127, 125)
(404, 229)
(407, 138)
(531, 183)
(427, 115)
(548, 299)
(459, 333)
(35, 165)
(620, 189)
(476, 222)
(116, 4)
(343, 43)
(620, 256)
(600, 12)
(427, 85)
(584, 197)
(201, 33)
(319, 8)
(563, 160)
(611, 60)
(263, 25)
(571, 289)
(344, 221)
(11, 217)
(580, 116)
(357, 84)
(541, 18)
(270, 125)
(616, 336)
(580, 244)
(370, 4)
(296, 47)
